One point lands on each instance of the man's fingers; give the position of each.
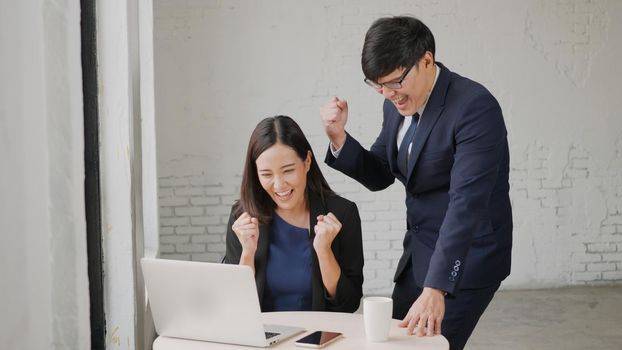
(412, 325)
(437, 326)
(333, 103)
(421, 327)
(431, 327)
(342, 104)
(339, 103)
(329, 118)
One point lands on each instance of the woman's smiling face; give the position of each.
(283, 175)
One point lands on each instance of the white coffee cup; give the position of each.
(377, 312)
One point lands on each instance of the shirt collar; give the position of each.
(438, 72)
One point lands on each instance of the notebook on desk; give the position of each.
(209, 302)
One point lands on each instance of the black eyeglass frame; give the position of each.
(393, 85)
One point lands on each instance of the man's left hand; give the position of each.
(426, 314)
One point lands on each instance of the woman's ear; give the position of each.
(308, 161)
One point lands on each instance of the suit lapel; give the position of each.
(430, 116)
(317, 294)
(394, 122)
(263, 242)
(315, 209)
(261, 258)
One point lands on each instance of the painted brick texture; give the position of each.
(221, 66)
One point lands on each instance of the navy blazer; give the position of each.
(459, 219)
(347, 248)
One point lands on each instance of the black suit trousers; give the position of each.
(462, 309)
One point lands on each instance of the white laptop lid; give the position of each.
(206, 301)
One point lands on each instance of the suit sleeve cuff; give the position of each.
(335, 152)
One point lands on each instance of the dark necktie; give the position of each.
(402, 153)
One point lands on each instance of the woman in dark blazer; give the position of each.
(302, 240)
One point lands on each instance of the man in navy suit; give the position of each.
(442, 136)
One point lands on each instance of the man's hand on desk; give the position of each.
(426, 312)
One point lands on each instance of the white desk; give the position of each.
(351, 325)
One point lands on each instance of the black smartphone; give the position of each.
(318, 339)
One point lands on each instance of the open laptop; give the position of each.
(209, 302)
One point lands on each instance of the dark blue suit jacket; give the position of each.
(459, 217)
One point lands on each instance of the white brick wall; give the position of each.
(562, 208)
(221, 66)
(193, 218)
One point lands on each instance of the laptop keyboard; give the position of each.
(271, 335)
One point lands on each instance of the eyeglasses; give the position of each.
(393, 85)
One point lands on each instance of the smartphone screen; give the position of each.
(318, 338)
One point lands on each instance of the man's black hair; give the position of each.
(394, 42)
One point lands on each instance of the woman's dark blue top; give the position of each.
(288, 271)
